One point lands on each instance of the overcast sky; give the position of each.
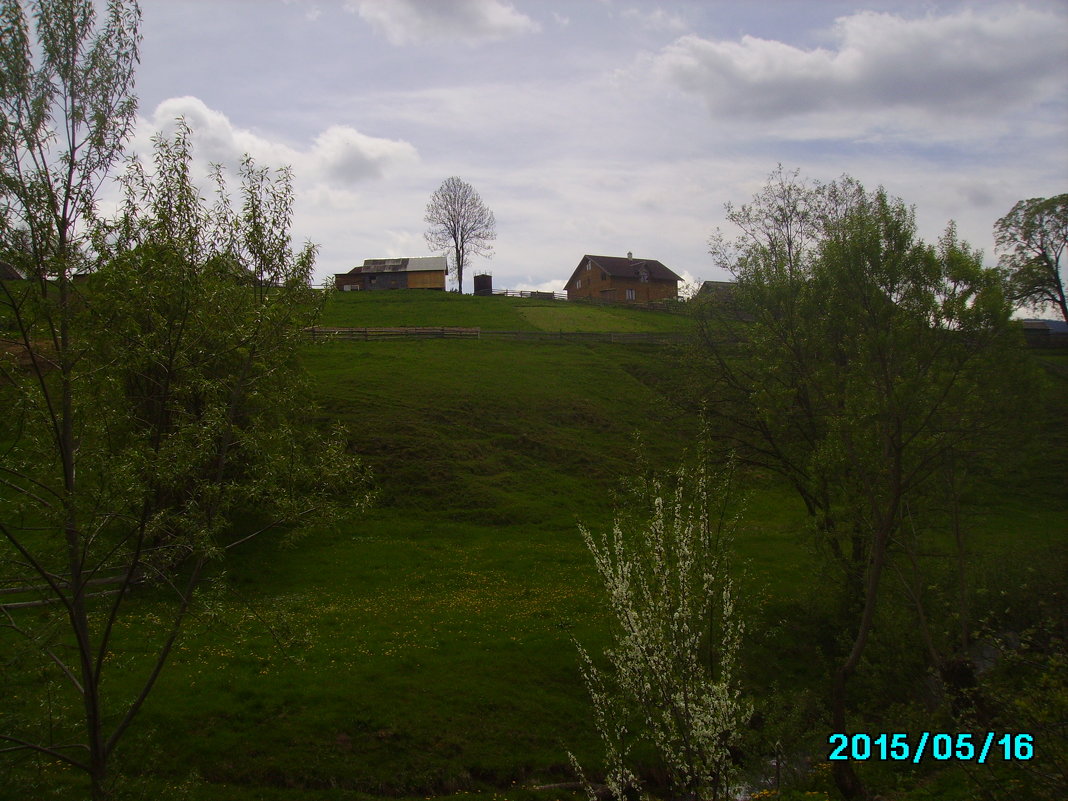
(607, 126)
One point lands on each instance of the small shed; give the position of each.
(426, 272)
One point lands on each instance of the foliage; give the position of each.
(1032, 238)
(875, 373)
(176, 428)
(498, 313)
(66, 107)
(460, 223)
(1022, 639)
(671, 681)
(405, 629)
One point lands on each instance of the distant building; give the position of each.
(1045, 333)
(621, 280)
(718, 289)
(9, 273)
(419, 273)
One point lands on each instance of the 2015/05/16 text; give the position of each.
(963, 747)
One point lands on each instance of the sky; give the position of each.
(610, 126)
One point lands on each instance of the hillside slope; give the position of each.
(425, 647)
(497, 313)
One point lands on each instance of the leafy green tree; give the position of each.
(154, 411)
(191, 434)
(671, 679)
(875, 373)
(1032, 239)
(67, 107)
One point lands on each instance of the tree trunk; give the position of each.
(459, 270)
(845, 778)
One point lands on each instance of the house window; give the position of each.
(589, 265)
(630, 294)
(578, 283)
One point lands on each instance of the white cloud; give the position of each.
(339, 157)
(580, 146)
(893, 72)
(656, 20)
(344, 156)
(406, 22)
(312, 10)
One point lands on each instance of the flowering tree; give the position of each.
(671, 676)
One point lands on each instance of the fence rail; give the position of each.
(617, 337)
(671, 305)
(522, 293)
(321, 334)
(1053, 339)
(407, 332)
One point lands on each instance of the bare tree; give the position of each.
(459, 222)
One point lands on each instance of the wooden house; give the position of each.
(419, 273)
(621, 280)
(8, 272)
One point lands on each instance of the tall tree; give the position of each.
(1032, 239)
(191, 435)
(864, 366)
(147, 408)
(460, 224)
(67, 107)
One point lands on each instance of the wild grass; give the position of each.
(425, 648)
(497, 313)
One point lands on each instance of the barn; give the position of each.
(416, 273)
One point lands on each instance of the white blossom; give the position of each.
(670, 676)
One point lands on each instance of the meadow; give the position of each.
(425, 647)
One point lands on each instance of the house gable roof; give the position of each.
(9, 273)
(624, 267)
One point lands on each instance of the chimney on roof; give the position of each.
(630, 255)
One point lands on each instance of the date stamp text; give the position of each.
(901, 747)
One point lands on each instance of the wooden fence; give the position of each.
(325, 334)
(670, 305)
(321, 334)
(522, 293)
(44, 594)
(615, 337)
(1052, 339)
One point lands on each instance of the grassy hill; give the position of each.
(425, 648)
(496, 313)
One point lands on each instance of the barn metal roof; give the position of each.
(401, 265)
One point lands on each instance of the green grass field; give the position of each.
(499, 313)
(425, 648)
